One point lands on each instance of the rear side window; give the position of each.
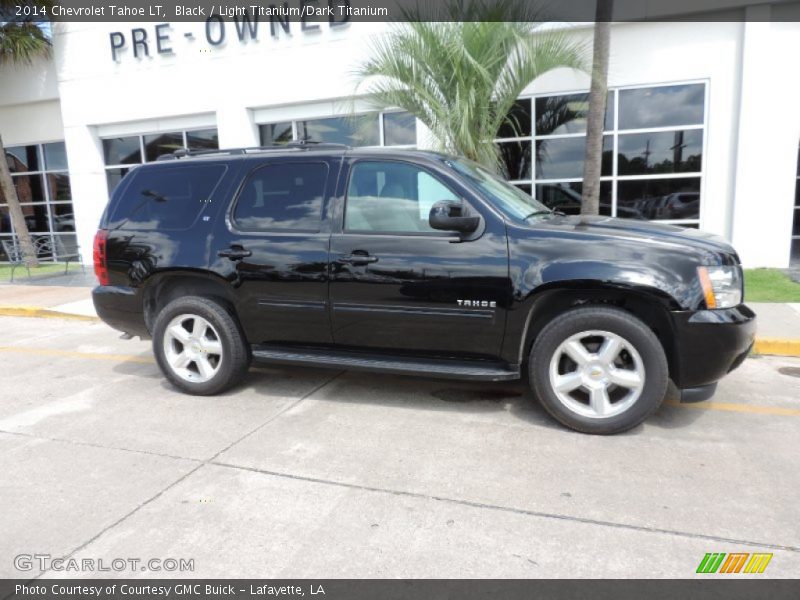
(282, 197)
(166, 197)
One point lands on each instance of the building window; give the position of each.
(122, 153)
(371, 129)
(41, 179)
(652, 164)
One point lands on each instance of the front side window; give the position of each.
(282, 197)
(392, 197)
(167, 198)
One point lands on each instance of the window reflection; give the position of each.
(122, 151)
(399, 129)
(556, 115)
(659, 198)
(360, 130)
(276, 133)
(667, 106)
(285, 197)
(162, 143)
(566, 197)
(563, 158)
(204, 139)
(664, 152)
(516, 158)
(29, 188)
(55, 156)
(518, 121)
(21, 159)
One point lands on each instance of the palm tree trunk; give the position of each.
(590, 203)
(8, 192)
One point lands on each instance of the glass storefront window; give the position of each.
(660, 199)
(55, 156)
(204, 139)
(517, 159)
(558, 115)
(660, 152)
(652, 134)
(360, 130)
(22, 159)
(41, 180)
(399, 129)
(566, 197)
(664, 106)
(122, 151)
(161, 143)
(276, 133)
(563, 158)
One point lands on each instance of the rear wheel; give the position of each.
(199, 346)
(598, 370)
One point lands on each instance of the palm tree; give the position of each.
(460, 74)
(592, 166)
(21, 42)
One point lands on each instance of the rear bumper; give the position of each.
(120, 307)
(709, 344)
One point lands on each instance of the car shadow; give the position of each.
(416, 393)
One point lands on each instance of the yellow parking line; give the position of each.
(74, 354)
(743, 408)
(724, 406)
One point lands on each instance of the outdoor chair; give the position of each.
(44, 247)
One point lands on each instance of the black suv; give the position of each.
(412, 262)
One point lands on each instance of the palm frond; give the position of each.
(461, 78)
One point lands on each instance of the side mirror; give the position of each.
(448, 215)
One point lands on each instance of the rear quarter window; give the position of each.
(166, 197)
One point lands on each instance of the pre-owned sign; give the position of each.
(247, 26)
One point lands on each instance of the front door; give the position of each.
(399, 285)
(273, 248)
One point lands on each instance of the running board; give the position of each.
(476, 370)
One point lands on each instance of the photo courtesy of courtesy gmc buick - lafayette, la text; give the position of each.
(418, 263)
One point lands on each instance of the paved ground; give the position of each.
(306, 473)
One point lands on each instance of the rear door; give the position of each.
(272, 246)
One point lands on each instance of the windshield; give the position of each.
(510, 200)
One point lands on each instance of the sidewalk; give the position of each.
(69, 296)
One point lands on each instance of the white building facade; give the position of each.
(703, 126)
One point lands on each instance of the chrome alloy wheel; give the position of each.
(597, 374)
(192, 348)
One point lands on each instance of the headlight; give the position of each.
(722, 286)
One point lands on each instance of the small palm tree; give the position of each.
(21, 42)
(462, 78)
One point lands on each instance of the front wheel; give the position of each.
(199, 346)
(598, 370)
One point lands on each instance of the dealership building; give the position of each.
(702, 127)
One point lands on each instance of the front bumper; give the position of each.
(708, 344)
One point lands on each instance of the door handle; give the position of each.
(235, 253)
(358, 259)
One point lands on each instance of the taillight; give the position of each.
(100, 256)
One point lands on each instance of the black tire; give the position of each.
(231, 364)
(640, 338)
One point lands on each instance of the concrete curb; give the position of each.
(44, 313)
(777, 346)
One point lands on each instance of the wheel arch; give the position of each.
(165, 286)
(649, 305)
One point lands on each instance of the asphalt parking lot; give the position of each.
(312, 473)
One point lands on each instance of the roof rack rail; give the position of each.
(293, 145)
